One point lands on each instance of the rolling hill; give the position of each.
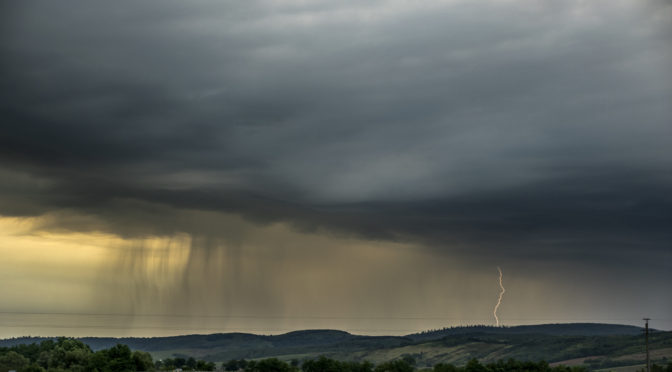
(594, 345)
(565, 329)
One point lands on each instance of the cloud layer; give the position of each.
(504, 131)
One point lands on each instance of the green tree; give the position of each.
(322, 364)
(441, 367)
(394, 366)
(98, 361)
(120, 359)
(69, 354)
(202, 365)
(408, 359)
(364, 366)
(33, 368)
(143, 361)
(180, 362)
(13, 361)
(31, 351)
(268, 365)
(474, 366)
(656, 368)
(169, 364)
(191, 363)
(231, 365)
(44, 358)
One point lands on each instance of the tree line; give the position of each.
(66, 354)
(324, 364)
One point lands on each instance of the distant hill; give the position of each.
(251, 345)
(239, 345)
(595, 345)
(560, 329)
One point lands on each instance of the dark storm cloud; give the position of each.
(527, 128)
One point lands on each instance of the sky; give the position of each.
(173, 167)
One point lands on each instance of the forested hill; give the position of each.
(561, 329)
(594, 345)
(235, 341)
(320, 338)
(245, 341)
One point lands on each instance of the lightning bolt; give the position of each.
(501, 294)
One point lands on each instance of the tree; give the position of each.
(408, 359)
(180, 362)
(231, 365)
(202, 365)
(120, 359)
(13, 361)
(33, 368)
(268, 365)
(98, 361)
(657, 368)
(474, 366)
(169, 363)
(441, 367)
(394, 366)
(322, 364)
(364, 366)
(142, 361)
(191, 363)
(69, 354)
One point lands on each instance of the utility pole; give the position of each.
(646, 330)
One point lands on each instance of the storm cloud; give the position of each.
(512, 130)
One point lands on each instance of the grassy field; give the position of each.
(595, 352)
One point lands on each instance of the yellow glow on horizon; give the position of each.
(58, 271)
(231, 275)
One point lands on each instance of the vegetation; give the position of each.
(185, 364)
(570, 329)
(67, 354)
(328, 350)
(657, 368)
(234, 365)
(324, 364)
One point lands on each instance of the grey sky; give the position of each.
(499, 131)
